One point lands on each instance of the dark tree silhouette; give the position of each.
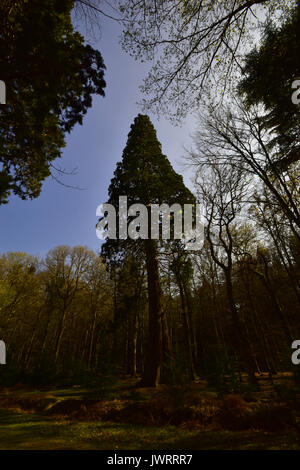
(146, 176)
(269, 74)
(50, 76)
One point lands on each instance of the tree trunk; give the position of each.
(239, 338)
(61, 328)
(154, 355)
(132, 341)
(188, 331)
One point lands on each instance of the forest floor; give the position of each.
(122, 416)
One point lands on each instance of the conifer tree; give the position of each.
(51, 76)
(146, 176)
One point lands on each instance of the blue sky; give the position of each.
(68, 216)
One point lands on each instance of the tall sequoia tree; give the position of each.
(50, 77)
(146, 176)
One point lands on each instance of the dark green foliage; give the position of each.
(145, 176)
(268, 76)
(50, 75)
(222, 371)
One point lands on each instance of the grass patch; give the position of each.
(21, 431)
(122, 416)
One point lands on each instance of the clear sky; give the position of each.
(68, 216)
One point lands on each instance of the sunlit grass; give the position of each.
(31, 431)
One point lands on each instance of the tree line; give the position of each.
(69, 313)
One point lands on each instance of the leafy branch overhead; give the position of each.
(193, 45)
